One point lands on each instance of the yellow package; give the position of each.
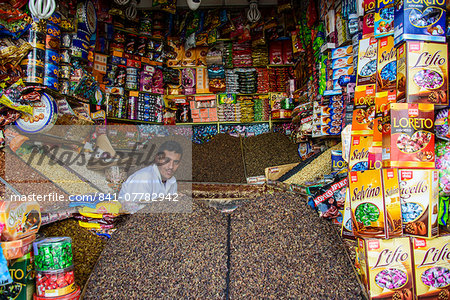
(19, 219)
(359, 152)
(432, 267)
(375, 203)
(103, 208)
(419, 194)
(388, 268)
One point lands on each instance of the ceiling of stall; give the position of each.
(209, 3)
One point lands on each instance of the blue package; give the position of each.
(337, 162)
(51, 83)
(52, 57)
(51, 70)
(419, 20)
(53, 30)
(5, 276)
(384, 18)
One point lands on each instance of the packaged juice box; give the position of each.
(375, 203)
(422, 73)
(419, 20)
(386, 65)
(367, 61)
(411, 141)
(432, 267)
(363, 110)
(419, 195)
(384, 18)
(389, 268)
(359, 152)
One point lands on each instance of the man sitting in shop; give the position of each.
(155, 182)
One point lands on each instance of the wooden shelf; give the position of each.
(132, 121)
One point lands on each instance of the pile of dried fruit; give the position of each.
(268, 150)
(219, 160)
(167, 256)
(281, 250)
(86, 246)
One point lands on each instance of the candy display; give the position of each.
(53, 253)
(419, 195)
(55, 283)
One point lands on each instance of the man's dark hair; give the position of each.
(170, 146)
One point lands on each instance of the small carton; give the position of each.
(342, 72)
(431, 267)
(341, 62)
(341, 52)
(359, 152)
(363, 110)
(386, 65)
(369, 17)
(411, 142)
(20, 219)
(367, 61)
(419, 20)
(384, 18)
(419, 195)
(375, 203)
(22, 274)
(422, 73)
(375, 157)
(382, 101)
(387, 267)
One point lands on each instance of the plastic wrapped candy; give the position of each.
(5, 277)
(443, 164)
(441, 123)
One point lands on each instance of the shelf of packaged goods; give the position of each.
(119, 120)
(281, 120)
(142, 92)
(188, 67)
(192, 95)
(220, 123)
(280, 66)
(213, 94)
(138, 34)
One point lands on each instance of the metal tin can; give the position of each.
(55, 19)
(66, 40)
(36, 39)
(51, 70)
(64, 87)
(52, 57)
(51, 83)
(65, 56)
(34, 74)
(53, 30)
(51, 43)
(64, 72)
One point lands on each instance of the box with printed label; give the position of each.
(342, 72)
(432, 267)
(384, 18)
(342, 62)
(375, 203)
(386, 65)
(419, 195)
(422, 73)
(411, 142)
(22, 274)
(346, 228)
(359, 152)
(419, 20)
(388, 268)
(367, 61)
(369, 17)
(341, 52)
(363, 110)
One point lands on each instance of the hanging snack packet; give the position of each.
(331, 197)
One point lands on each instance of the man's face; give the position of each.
(168, 164)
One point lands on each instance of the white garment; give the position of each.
(143, 185)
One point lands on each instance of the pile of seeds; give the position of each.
(167, 256)
(219, 160)
(316, 169)
(268, 150)
(86, 246)
(281, 250)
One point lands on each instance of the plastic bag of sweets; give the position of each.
(330, 198)
(441, 124)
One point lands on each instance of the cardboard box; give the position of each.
(363, 110)
(342, 62)
(384, 18)
(201, 81)
(422, 73)
(367, 61)
(342, 72)
(411, 142)
(387, 267)
(369, 18)
(419, 195)
(341, 52)
(431, 267)
(375, 203)
(359, 152)
(386, 65)
(420, 20)
(382, 101)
